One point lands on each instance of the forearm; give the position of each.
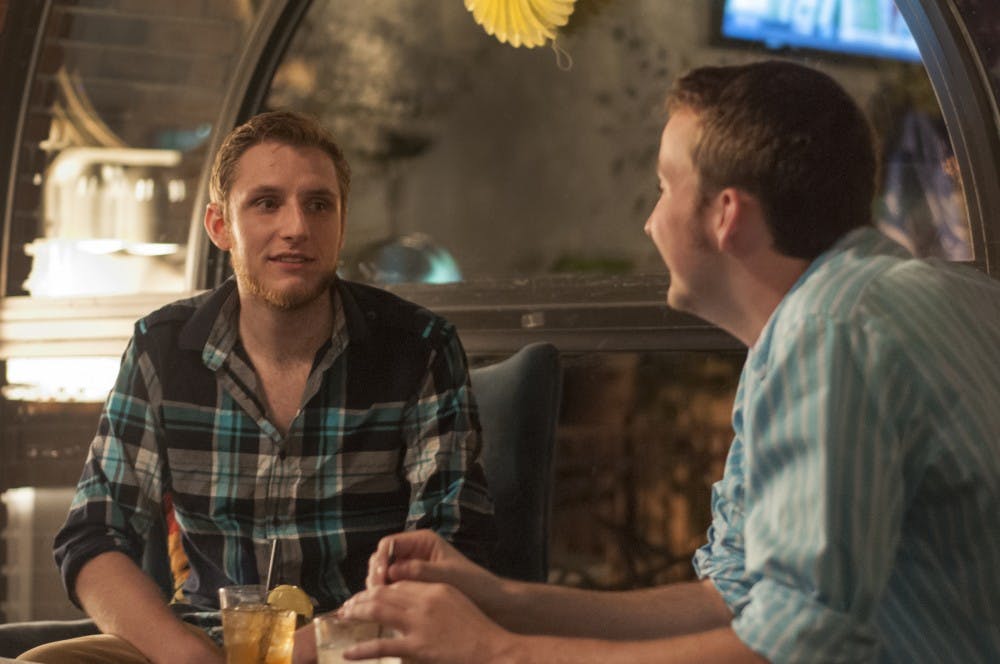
(124, 602)
(665, 611)
(719, 645)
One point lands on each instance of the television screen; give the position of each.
(859, 27)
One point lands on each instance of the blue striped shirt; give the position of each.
(858, 518)
(387, 438)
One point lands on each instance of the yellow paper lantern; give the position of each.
(527, 23)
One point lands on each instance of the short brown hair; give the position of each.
(792, 137)
(287, 127)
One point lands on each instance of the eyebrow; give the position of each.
(321, 191)
(261, 190)
(266, 189)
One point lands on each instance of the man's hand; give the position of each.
(395, 550)
(124, 602)
(436, 624)
(423, 556)
(304, 651)
(421, 613)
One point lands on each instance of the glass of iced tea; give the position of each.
(252, 631)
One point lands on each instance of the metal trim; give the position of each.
(271, 34)
(607, 314)
(15, 146)
(602, 314)
(962, 86)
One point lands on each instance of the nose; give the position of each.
(651, 217)
(294, 224)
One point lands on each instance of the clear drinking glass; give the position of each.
(334, 635)
(252, 631)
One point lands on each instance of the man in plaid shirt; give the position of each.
(286, 405)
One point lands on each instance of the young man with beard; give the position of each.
(857, 517)
(286, 405)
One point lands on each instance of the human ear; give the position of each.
(740, 227)
(216, 227)
(727, 210)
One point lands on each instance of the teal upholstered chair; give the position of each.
(518, 403)
(519, 408)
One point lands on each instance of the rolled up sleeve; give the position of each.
(823, 497)
(114, 501)
(786, 625)
(723, 558)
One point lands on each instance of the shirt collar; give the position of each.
(865, 240)
(213, 329)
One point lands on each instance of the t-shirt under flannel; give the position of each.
(387, 438)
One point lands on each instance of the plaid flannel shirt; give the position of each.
(387, 439)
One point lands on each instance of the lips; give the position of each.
(291, 258)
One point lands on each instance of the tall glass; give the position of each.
(252, 631)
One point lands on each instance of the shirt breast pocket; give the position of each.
(369, 471)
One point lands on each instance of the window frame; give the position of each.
(583, 313)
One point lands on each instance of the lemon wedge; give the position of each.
(291, 598)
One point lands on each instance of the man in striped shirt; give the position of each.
(858, 519)
(286, 406)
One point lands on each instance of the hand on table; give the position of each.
(434, 622)
(422, 555)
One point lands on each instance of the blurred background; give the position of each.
(503, 187)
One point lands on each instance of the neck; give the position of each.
(285, 335)
(757, 286)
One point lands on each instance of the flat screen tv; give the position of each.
(872, 28)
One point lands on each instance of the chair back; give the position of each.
(518, 402)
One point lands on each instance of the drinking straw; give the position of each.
(265, 639)
(270, 566)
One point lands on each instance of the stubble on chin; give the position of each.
(289, 299)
